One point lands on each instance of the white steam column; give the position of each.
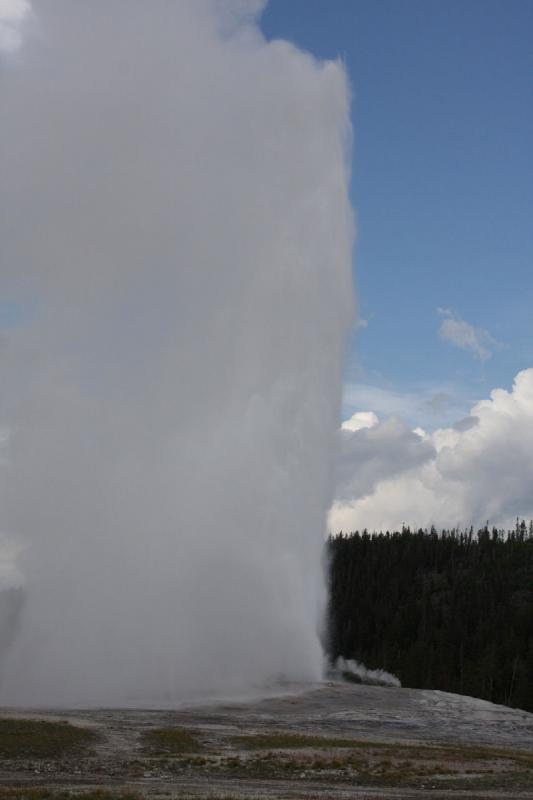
(176, 238)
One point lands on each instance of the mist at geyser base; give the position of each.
(176, 241)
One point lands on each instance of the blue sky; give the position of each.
(442, 191)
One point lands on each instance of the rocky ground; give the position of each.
(330, 741)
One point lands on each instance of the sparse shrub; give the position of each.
(171, 741)
(28, 738)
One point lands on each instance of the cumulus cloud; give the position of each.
(465, 423)
(375, 452)
(476, 341)
(359, 420)
(479, 469)
(174, 208)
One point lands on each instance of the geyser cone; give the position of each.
(176, 237)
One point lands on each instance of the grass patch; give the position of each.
(171, 741)
(379, 763)
(288, 741)
(31, 793)
(522, 757)
(34, 793)
(27, 738)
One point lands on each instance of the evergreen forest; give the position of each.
(449, 610)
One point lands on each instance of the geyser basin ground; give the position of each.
(334, 740)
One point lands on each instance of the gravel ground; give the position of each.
(366, 742)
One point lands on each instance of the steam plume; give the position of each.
(176, 240)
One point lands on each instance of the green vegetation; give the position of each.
(290, 741)
(450, 610)
(385, 764)
(27, 738)
(171, 741)
(289, 756)
(33, 793)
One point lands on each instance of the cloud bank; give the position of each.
(174, 213)
(479, 469)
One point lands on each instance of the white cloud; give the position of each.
(359, 420)
(370, 454)
(460, 333)
(13, 14)
(465, 423)
(480, 469)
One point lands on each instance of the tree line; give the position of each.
(449, 610)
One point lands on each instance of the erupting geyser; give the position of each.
(176, 241)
